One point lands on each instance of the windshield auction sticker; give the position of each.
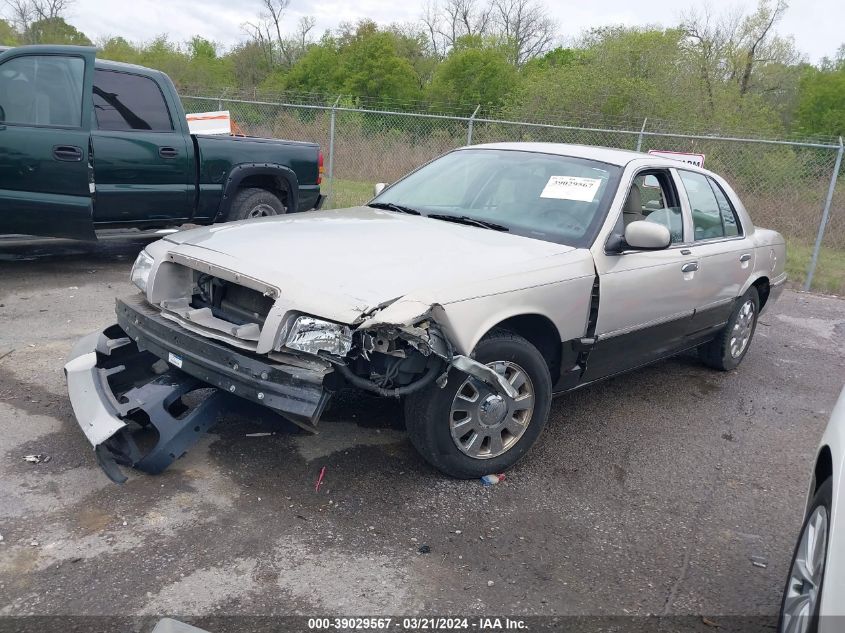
(571, 188)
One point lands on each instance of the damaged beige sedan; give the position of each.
(475, 288)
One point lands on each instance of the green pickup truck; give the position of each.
(88, 144)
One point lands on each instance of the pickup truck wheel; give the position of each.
(727, 350)
(255, 203)
(470, 429)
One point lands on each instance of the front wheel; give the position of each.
(469, 429)
(799, 609)
(727, 350)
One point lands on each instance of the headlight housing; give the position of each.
(141, 270)
(312, 335)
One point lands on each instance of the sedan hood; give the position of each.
(370, 256)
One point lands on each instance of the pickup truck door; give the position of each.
(44, 141)
(141, 154)
(646, 298)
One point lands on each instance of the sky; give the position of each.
(815, 24)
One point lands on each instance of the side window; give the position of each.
(730, 222)
(129, 102)
(42, 90)
(706, 214)
(652, 198)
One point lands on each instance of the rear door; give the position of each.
(724, 253)
(141, 156)
(45, 109)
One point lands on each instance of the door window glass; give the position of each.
(706, 214)
(129, 102)
(42, 90)
(652, 199)
(729, 219)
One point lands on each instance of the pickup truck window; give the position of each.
(124, 102)
(44, 90)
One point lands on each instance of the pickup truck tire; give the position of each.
(434, 416)
(255, 203)
(727, 350)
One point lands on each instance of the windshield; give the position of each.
(544, 196)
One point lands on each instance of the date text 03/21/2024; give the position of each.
(417, 623)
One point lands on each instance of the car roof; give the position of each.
(607, 155)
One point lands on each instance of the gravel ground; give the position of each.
(648, 494)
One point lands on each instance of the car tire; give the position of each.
(255, 203)
(727, 350)
(434, 414)
(802, 597)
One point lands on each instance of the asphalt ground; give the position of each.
(654, 493)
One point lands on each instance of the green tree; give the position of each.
(821, 107)
(8, 35)
(55, 31)
(118, 49)
(249, 64)
(474, 72)
(317, 71)
(373, 67)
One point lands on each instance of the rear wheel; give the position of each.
(727, 350)
(255, 203)
(469, 428)
(799, 610)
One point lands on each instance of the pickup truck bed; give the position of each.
(88, 144)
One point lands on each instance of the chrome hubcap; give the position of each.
(805, 577)
(261, 211)
(743, 327)
(486, 423)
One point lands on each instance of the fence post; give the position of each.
(825, 216)
(469, 126)
(330, 170)
(640, 137)
(220, 99)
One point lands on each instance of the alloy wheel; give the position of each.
(486, 423)
(805, 577)
(742, 329)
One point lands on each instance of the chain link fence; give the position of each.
(789, 186)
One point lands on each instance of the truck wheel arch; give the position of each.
(259, 175)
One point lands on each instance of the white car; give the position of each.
(476, 288)
(815, 588)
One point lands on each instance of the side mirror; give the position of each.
(647, 235)
(379, 187)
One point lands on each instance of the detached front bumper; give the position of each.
(132, 381)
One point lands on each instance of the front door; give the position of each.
(44, 142)
(646, 298)
(141, 158)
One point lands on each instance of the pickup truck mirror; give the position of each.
(647, 235)
(379, 187)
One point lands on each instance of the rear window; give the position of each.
(123, 101)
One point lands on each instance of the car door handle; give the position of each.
(68, 153)
(745, 257)
(689, 268)
(168, 152)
